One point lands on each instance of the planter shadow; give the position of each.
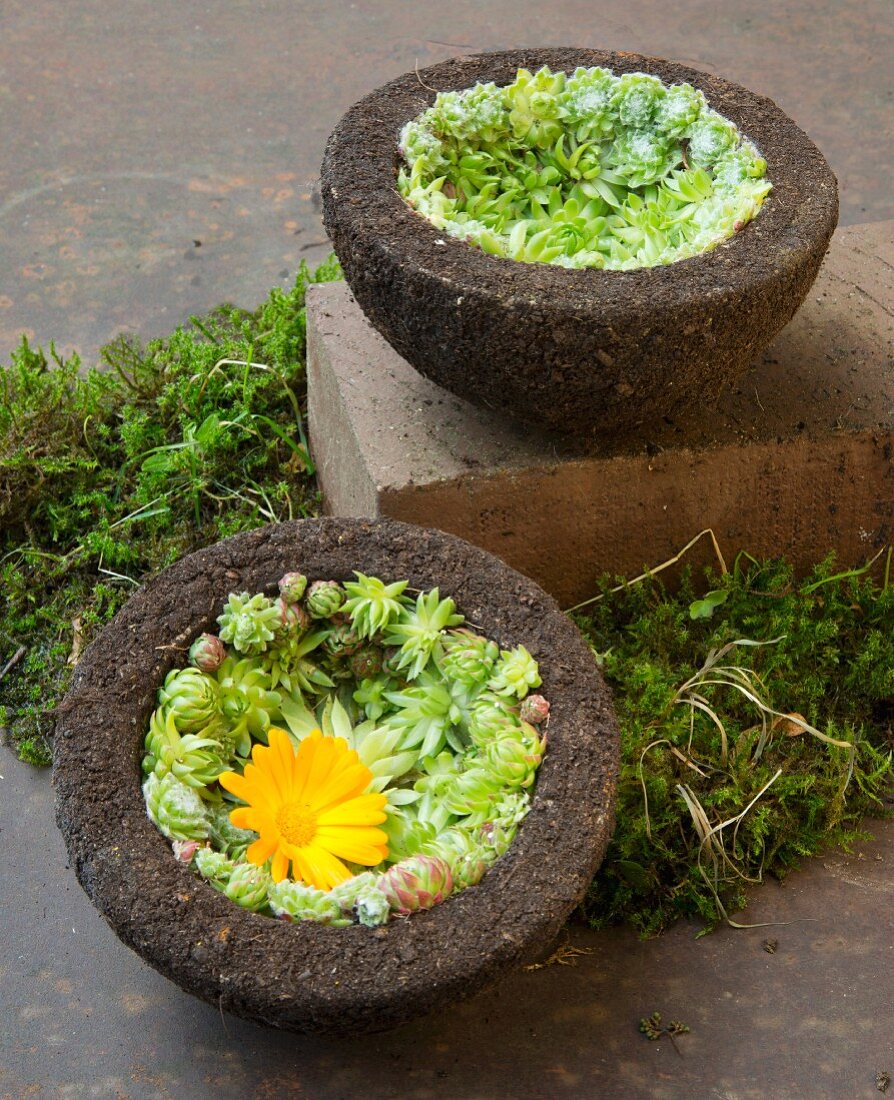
(589, 353)
(308, 977)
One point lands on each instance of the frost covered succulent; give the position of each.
(582, 170)
(432, 720)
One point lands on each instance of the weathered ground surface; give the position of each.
(129, 132)
(160, 158)
(82, 1016)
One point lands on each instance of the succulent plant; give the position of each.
(551, 168)
(191, 697)
(324, 599)
(418, 630)
(515, 673)
(342, 641)
(372, 604)
(465, 852)
(249, 623)
(293, 619)
(534, 710)
(371, 696)
(175, 808)
(225, 836)
(366, 663)
(214, 866)
(292, 587)
(441, 735)
(298, 901)
(490, 719)
(417, 883)
(372, 907)
(246, 701)
(468, 658)
(378, 747)
(513, 761)
(508, 812)
(423, 715)
(248, 886)
(195, 761)
(207, 653)
(289, 666)
(184, 850)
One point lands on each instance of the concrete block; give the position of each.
(796, 459)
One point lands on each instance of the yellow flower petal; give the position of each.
(326, 869)
(234, 783)
(279, 868)
(367, 809)
(364, 846)
(259, 852)
(309, 809)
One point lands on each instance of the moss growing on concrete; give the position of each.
(108, 475)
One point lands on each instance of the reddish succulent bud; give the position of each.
(534, 709)
(207, 653)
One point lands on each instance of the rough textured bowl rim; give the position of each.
(307, 977)
(776, 238)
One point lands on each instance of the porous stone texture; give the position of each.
(796, 458)
(589, 352)
(304, 976)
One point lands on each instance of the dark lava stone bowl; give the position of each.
(307, 977)
(589, 353)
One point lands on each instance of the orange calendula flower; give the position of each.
(309, 809)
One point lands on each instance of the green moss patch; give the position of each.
(740, 759)
(108, 475)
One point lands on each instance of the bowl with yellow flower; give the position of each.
(334, 774)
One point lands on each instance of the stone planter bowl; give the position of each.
(308, 977)
(589, 353)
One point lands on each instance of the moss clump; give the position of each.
(831, 666)
(107, 475)
(586, 170)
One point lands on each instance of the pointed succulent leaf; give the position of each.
(372, 604)
(249, 623)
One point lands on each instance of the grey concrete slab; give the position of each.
(131, 131)
(82, 1016)
(796, 458)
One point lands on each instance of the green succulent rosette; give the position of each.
(439, 717)
(586, 169)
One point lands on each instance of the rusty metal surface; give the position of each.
(81, 1016)
(129, 132)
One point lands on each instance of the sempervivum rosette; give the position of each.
(345, 753)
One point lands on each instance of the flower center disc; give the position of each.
(297, 823)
